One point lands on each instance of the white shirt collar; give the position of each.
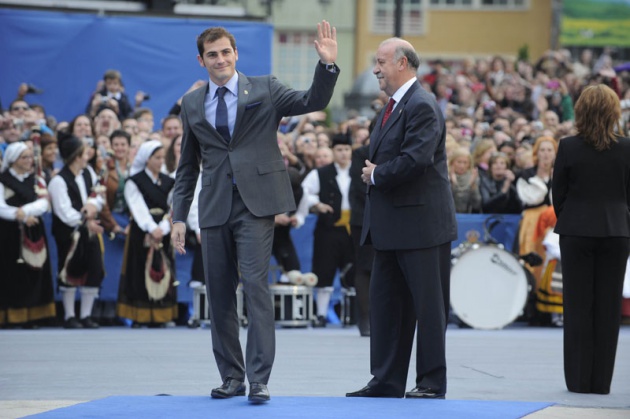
(232, 86)
(398, 95)
(340, 170)
(18, 176)
(150, 174)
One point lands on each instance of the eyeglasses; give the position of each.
(20, 108)
(26, 157)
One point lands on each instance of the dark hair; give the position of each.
(597, 113)
(169, 159)
(141, 111)
(120, 133)
(74, 121)
(16, 101)
(168, 118)
(112, 75)
(212, 35)
(507, 143)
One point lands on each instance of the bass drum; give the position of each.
(489, 287)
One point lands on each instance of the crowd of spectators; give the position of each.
(504, 119)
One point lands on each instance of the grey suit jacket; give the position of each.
(252, 156)
(411, 204)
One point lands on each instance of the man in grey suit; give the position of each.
(410, 220)
(230, 128)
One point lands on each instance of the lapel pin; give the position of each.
(246, 92)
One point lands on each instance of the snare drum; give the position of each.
(348, 307)
(489, 287)
(200, 315)
(293, 305)
(201, 309)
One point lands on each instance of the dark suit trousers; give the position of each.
(593, 271)
(409, 287)
(284, 250)
(364, 259)
(242, 244)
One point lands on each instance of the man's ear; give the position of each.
(200, 60)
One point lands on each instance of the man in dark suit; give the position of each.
(230, 128)
(410, 221)
(363, 255)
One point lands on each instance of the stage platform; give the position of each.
(46, 369)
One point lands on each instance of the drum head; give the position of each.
(488, 288)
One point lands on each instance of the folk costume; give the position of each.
(147, 292)
(26, 288)
(79, 250)
(333, 249)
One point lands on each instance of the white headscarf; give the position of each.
(11, 154)
(145, 151)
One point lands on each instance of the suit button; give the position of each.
(230, 149)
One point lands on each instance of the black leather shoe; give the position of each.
(230, 388)
(364, 327)
(320, 321)
(423, 393)
(72, 323)
(258, 393)
(88, 323)
(368, 391)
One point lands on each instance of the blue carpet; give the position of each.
(290, 408)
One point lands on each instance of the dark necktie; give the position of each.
(388, 111)
(221, 120)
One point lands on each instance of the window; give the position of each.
(294, 59)
(503, 4)
(412, 17)
(452, 3)
(480, 4)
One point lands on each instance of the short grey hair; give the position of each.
(413, 60)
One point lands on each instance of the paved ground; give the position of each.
(49, 368)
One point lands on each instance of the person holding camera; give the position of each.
(110, 94)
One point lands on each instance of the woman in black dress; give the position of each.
(26, 287)
(147, 294)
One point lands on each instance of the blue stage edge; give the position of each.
(290, 408)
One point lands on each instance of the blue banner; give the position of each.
(66, 54)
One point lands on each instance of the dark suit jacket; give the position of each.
(356, 195)
(252, 155)
(410, 205)
(591, 189)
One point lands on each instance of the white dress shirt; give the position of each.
(397, 96)
(140, 210)
(32, 209)
(61, 204)
(311, 188)
(193, 213)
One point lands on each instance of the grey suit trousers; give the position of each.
(241, 245)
